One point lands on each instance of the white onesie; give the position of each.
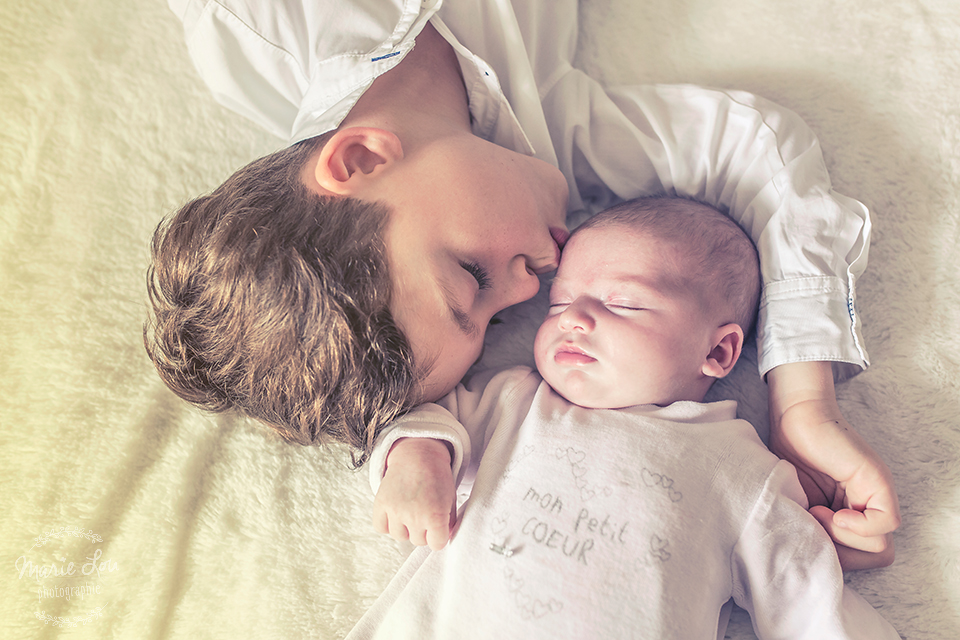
(631, 523)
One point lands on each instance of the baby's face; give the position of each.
(623, 328)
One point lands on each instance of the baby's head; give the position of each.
(650, 305)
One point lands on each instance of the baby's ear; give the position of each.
(727, 343)
(353, 157)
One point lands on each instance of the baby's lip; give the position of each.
(572, 355)
(569, 347)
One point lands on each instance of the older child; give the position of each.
(439, 149)
(607, 500)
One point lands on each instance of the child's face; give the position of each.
(471, 226)
(623, 328)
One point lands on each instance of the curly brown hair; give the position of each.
(272, 300)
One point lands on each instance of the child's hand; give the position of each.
(850, 489)
(417, 497)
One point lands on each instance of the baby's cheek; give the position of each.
(542, 341)
(543, 364)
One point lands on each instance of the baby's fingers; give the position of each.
(433, 530)
(393, 526)
(397, 530)
(438, 535)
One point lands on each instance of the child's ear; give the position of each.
(727, 343)
(353, 157)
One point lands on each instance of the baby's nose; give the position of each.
(577, 317)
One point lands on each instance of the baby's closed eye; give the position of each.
(624, 305)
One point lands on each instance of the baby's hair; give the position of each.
(272, 300)
(722, 258)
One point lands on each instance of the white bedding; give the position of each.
(209, 526)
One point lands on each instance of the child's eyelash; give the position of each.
(478, 273)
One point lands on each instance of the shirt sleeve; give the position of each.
(787, 576)
(257, 74)
(296, 67)
(751, 158)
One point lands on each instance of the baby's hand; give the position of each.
(417, 497)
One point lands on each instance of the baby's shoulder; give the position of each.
(501, 381)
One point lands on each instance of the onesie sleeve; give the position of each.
(748, 157)
(426, 421)
(787, 576)
(465, 419)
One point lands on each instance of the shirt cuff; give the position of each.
(810, 319)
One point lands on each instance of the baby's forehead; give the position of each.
(617, 239)
(667, 272)
(600, 235)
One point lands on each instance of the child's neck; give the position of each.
(423, 97)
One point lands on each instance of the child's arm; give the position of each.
(416, 500)
(850, 489)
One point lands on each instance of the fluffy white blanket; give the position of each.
(185, 525)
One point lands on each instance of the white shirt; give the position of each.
(296, 67)
(630, 523)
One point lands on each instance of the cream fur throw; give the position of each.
(196, 526)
